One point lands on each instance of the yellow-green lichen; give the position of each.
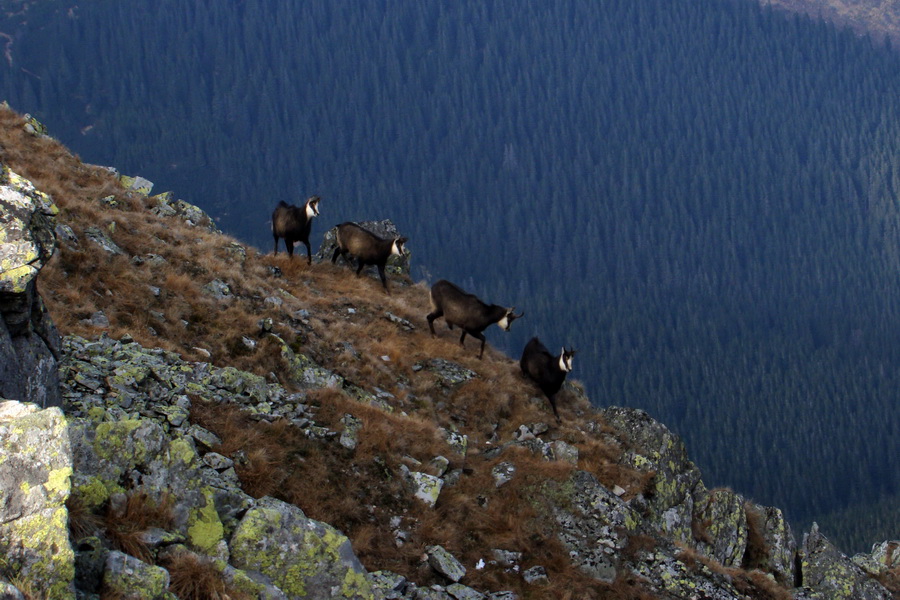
(112, 436)
(94, 492)
(59, 481)
(205, 529)
(182, 451)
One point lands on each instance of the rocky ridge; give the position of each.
(122, 438)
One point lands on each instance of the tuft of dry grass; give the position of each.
(197, 578)
(126, 525)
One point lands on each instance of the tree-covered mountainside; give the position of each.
(699, 196)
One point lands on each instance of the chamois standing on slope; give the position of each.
(293, 223)
(467, 312)
(547, 371)
(368, 249)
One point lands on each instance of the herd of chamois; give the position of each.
(458, 307)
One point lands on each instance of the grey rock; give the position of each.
(464, 592)
(35, 467)
(350, 434)
(536, 575)
(29, 342)
(445, 563)
(128, 577)
(503, 473)
(449, 374)
(217, 289)
(102, 239)
(302, 557)
(828, 572)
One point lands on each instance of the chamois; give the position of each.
(467, 312)
(547, 371)
(293, 223)
(368, 249)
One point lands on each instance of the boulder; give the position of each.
(29, 342)
(830, 574)
(304, 558)
(35, 471)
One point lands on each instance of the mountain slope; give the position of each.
(699, 196)
(147, 270)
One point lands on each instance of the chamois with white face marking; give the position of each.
(467, 312)
(293, 223)
(367, 248)
(546, 370)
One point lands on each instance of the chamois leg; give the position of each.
(462, 338)
(276, 244)
(480, 336)
(360, 267)
(552, 400)
(431, 317)
(308, 252)
(289, 244)
(383, 278)
(335, 255)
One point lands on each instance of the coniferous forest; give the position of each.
(700, 196)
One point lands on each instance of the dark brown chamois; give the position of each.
(293, 223)
(467, 312)
(367, 248)
(547, 371)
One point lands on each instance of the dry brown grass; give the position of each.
(125, 526)
(197, 578)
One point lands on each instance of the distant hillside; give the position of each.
(877, 18)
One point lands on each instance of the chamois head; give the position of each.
(397, 248)
(312, 207)
(508, 318)
(566, 358)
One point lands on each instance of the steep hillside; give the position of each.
(607, 503)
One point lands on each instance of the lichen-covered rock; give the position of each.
(669, 577)
(128, 577)
(778, 549)
(594, 524)
(102, 239)
(136, 184)
(670, 507)
(449, 374)
(445, 563)
(35, 471)
(884, 557)
(302, 557)
(426, 488)
(832, 575)
(29, 342)
(721, 517)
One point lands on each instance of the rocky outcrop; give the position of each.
(29, 342)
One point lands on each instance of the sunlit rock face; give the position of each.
(29, 342)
